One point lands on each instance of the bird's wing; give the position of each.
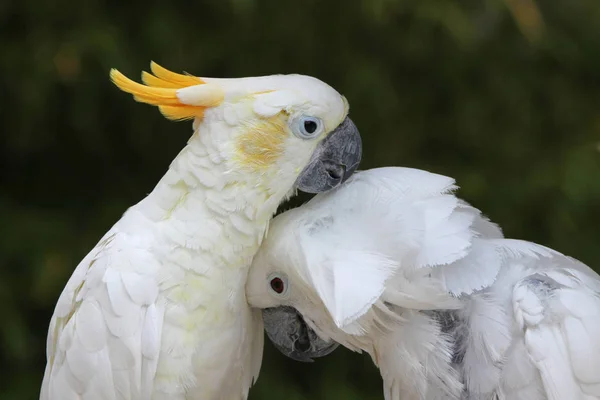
(558, 311)
(104, 337)
(255, 339)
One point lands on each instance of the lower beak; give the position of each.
(290, 334)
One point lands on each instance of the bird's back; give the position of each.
(535, 332)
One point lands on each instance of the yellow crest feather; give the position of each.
(161, 90)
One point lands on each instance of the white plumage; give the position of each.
(392, 263)
(157, 309)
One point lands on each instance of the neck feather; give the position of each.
(202, 204)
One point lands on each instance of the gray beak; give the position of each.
(289, 333)
(335, 159)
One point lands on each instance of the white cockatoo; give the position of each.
(393, 264)
(157, 310)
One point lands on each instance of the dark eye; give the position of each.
(310, 126)
(277, 285)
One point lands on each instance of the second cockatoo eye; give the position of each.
(278, 283)
(308, 127)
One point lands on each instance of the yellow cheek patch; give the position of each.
(262, 142)
(178, 97)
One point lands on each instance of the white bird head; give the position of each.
(353, 249)
(278, 131)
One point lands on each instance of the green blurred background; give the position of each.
(503, 95)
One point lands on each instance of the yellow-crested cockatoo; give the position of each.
(157, 310)
(394, 264)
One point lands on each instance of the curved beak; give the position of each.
(334, 160)
(289, 333)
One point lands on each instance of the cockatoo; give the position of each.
(393, 264)
(157, 310)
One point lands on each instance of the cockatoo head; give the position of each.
(278, 283)
(335, 264)
(277, 132)
(323, 265)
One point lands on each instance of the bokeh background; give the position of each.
(503, 95)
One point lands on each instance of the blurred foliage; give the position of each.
(502, 95)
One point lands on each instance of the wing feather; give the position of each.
(559, 313)
(104, 335)
(253, 359)
(151, 337)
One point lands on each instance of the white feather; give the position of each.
(351, 283)
(394, 265)
(157, 309)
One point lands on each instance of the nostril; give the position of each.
(335, 172)
(302, 345)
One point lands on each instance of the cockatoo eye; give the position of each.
(308, 127)
(278, 283)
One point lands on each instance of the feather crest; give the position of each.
(178, 97)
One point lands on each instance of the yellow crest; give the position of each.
(163, 89)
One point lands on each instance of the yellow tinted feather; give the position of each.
(174, 78)
(181, 113)
(146, 94)
(161, 90)
(262, 142)
(152, 80)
